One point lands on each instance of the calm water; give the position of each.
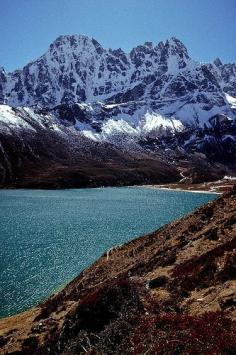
(48, 237)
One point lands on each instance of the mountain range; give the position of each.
(155, 100)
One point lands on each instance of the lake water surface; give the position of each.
(47, 237)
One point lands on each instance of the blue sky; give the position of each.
(206, 27)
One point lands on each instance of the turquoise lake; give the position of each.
(47, 237)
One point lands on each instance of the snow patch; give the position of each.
(8, 116)
(154, 121)
(231, 100)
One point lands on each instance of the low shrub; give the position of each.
(210, 333)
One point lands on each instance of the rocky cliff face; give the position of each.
(170, 292)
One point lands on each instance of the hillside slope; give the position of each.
(40, 150)
(172, 291)
(37, 152)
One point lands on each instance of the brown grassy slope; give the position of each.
(46, 159)
(145, 296)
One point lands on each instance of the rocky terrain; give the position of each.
(170, 292)
(81, 115)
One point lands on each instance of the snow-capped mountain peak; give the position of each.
(111, 85)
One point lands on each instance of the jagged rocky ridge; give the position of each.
(77, 69)
(110, 83)
(170, 292)
(155, 99)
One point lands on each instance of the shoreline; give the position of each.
(213, 187)
(177, 189)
